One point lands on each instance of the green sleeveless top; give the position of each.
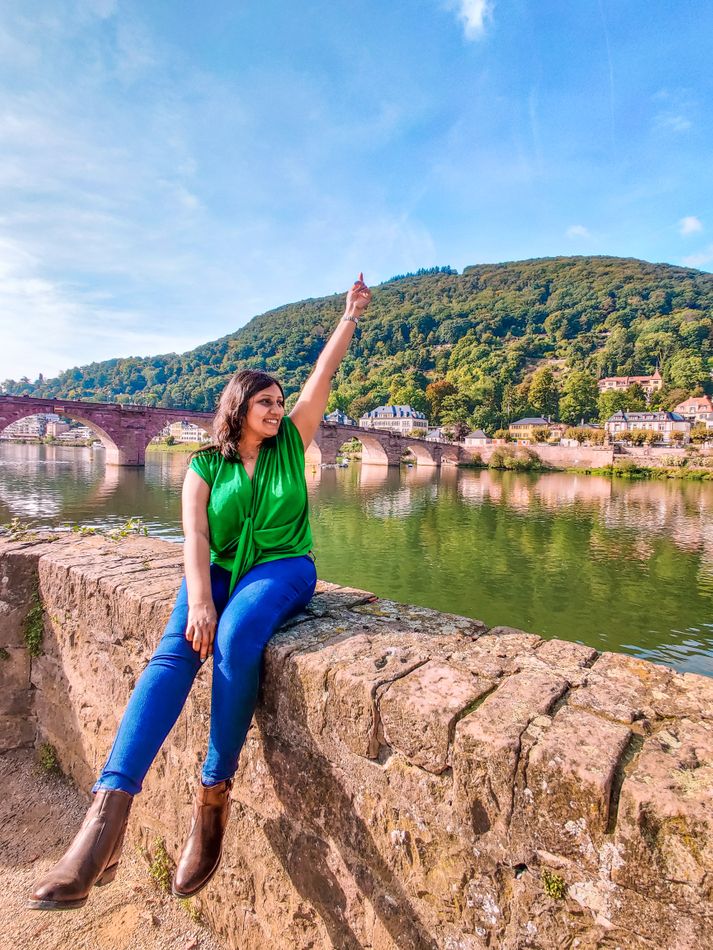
(263, 519)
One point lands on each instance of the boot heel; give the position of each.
(108, 876)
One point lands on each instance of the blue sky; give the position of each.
(168, 170)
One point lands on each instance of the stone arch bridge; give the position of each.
(380, 447)
(125, 431)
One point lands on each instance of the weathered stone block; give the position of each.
(351, 683)
(420, 619)
(17, 731)
(487, 746)
(569, 773)
(665, 822)
(15, 682)
(566, 655)
(493, 653)
(419, 711)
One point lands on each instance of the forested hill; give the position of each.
(478, 335)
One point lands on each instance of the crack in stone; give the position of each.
(628, 756)
(377, 692)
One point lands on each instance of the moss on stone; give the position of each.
(34, 627)
(48, 759)
(554, 885)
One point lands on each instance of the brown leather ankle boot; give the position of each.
(201, 853)
(91, 859)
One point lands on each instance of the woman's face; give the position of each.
(265, 412)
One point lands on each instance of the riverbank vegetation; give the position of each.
(515, 459)
(174, 447)
(628, 468)
(477, 349)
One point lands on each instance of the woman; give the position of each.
(248, 567)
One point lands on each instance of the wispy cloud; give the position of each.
(704, 258)
(689, 225)
(673, 122)
(64, 325)
(577, 231)
(474, 14)
(674, 111)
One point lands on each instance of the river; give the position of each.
(618, 565)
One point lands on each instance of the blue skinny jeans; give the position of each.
(263, 599)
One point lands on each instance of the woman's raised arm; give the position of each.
(310, 407)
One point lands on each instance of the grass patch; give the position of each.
(160, 867)
(4, 655)
(47, 759)
(193, 911)
(18, 530)
(134, 526)
(177, 447)
(34, 627)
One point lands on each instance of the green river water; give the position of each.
(619, 565)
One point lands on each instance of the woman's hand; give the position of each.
(358, 298)
(200, 629)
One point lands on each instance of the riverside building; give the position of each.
(402, 420)
(665, 423)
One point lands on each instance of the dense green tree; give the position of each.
(436, 392)
(686, 370)
(360, 405)
(410, 395)
(456, 414)
(630, 400)
(544, 395)
(580, 396)
(667, 398)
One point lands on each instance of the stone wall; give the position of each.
(659, 456)
(412, 780)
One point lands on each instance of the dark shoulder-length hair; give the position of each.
(232, 410)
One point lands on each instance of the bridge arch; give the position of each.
(124, 430)
(8, 418)
(426, 454)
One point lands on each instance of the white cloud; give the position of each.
(47, 325)
(474, 14)
(673, 122)
(690, 225)
(702, 259)
(674, 108)
(577, 231)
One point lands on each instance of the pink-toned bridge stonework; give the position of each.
(125, 431)
(380, 447)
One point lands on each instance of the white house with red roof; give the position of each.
(696, 409)
(650, 384)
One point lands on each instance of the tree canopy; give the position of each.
(480, 348)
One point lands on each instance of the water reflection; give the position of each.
(616, 564)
